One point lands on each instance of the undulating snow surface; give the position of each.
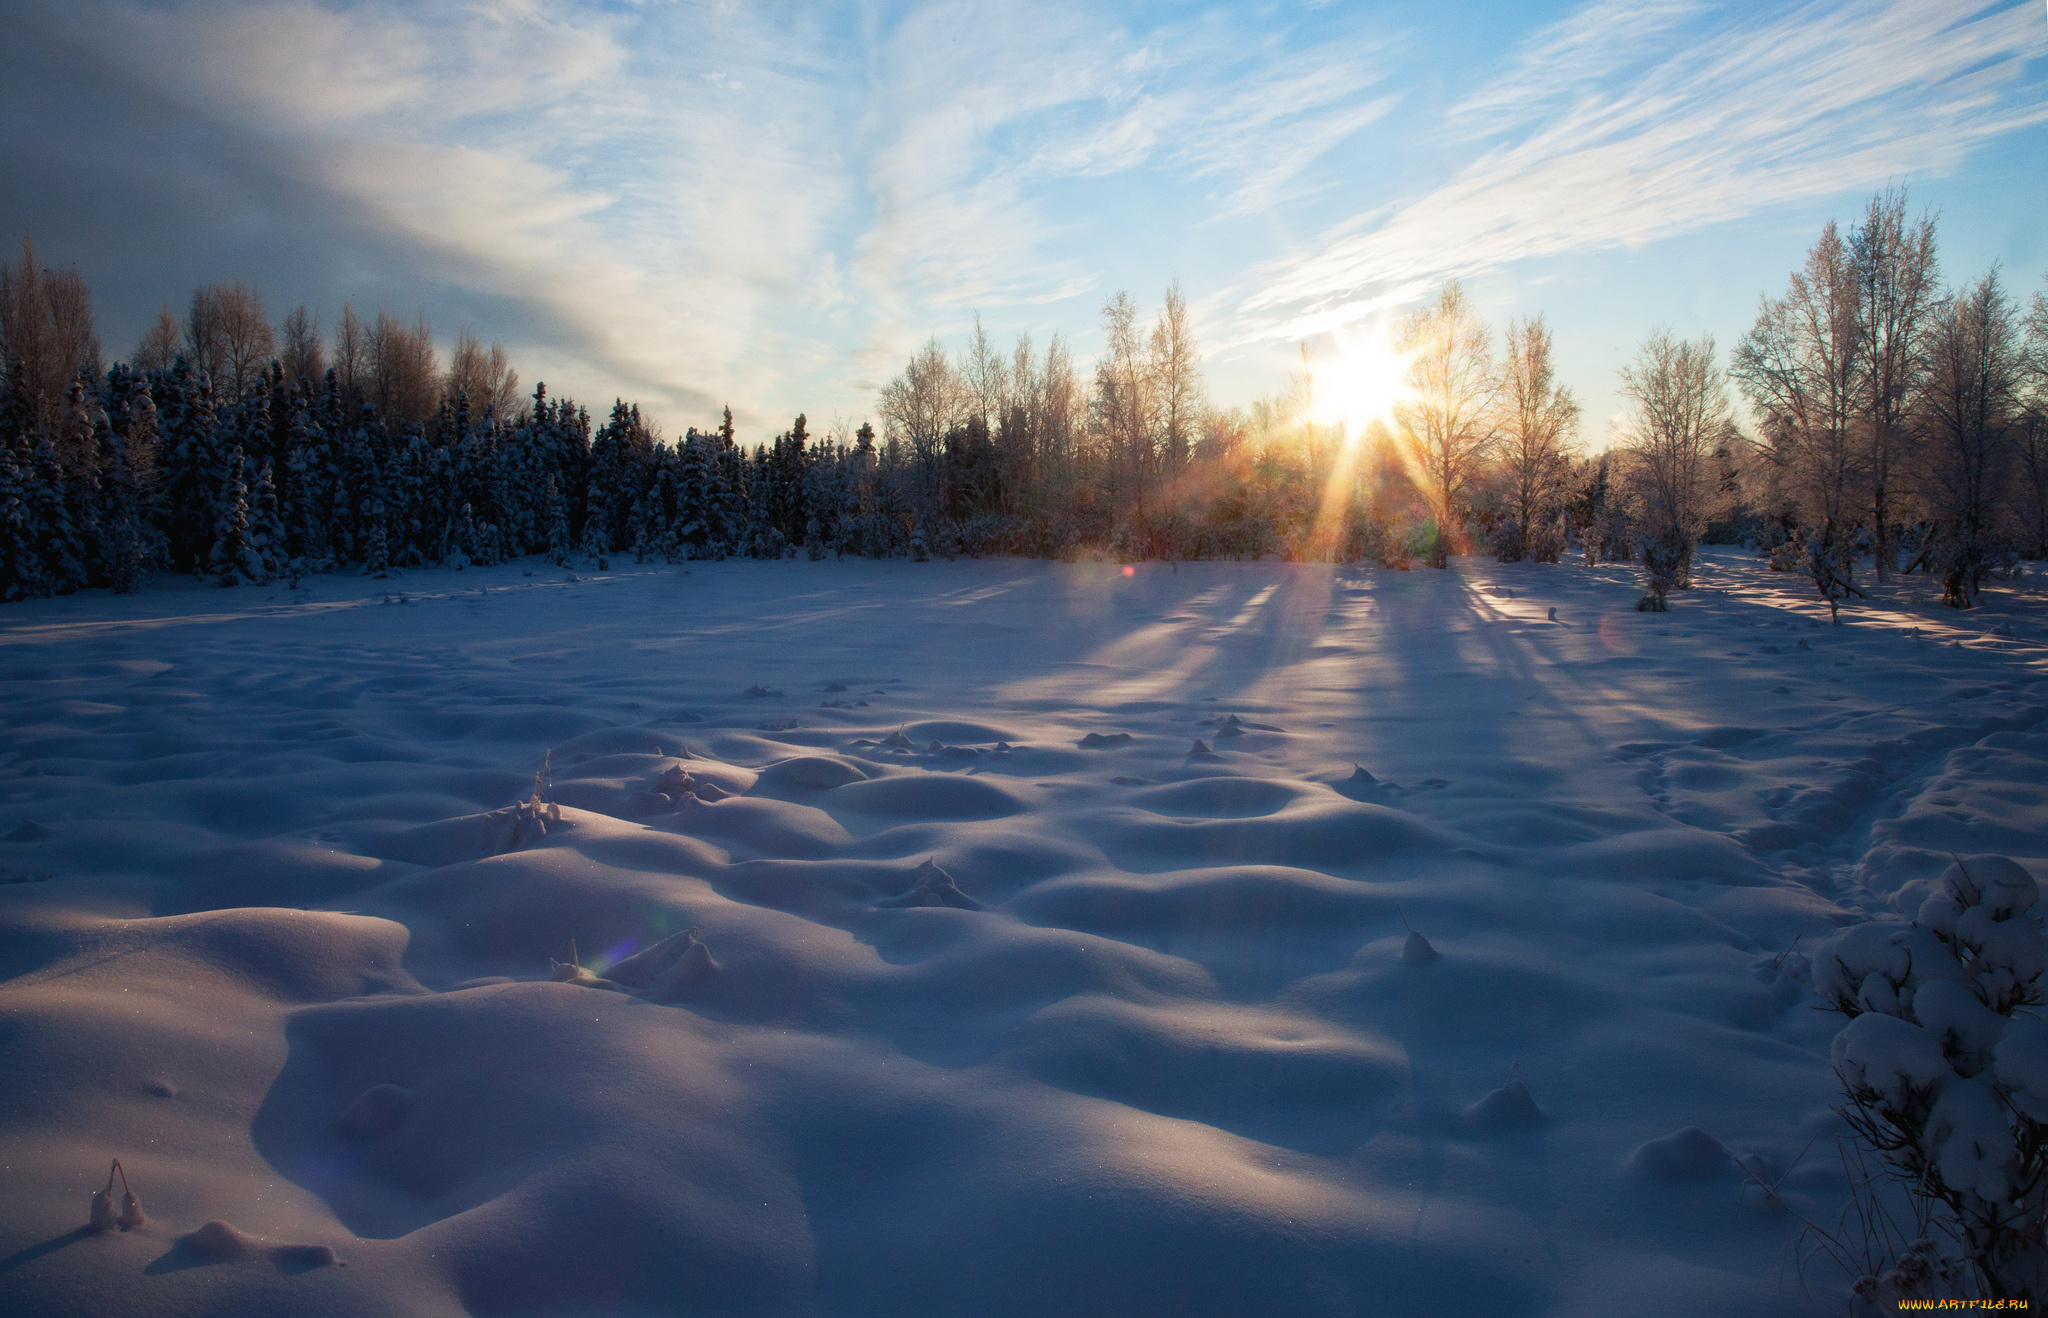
(1052, 950)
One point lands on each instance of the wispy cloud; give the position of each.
(1717, 117)
(769, 205)
(648, 209)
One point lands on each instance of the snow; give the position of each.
(1462, 963)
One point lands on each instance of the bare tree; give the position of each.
(1122, 405)
(352, 357)
(304, 356)
(203, 336)
(1539, 429)
(46, 329)
(984, 377)
(1801, 366)
(246, 341)
(404, 384)
(228, 337)
(1896, 281)
(1060, 409)
(921, 405)
(1017, 437)
(2031, 449)
(1678, 415)
(1448, 422)
(1177, 395)
(487, 378)
(1970, 405)
(158, 350)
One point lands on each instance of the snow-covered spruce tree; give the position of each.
(376, 543)
(462, 540)
(231, 525)
(594, 548)
(63, 554)
(556, 513)
(22, 575)
(311, 492)
(192, 475)
(261, 560)
(1946, 1072)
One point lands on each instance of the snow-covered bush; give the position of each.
(1946, 1073)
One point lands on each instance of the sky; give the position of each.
(772, 206)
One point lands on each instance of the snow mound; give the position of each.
(929, 1008)
(929, 796)
(1684, 1155)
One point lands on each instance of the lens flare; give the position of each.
(1365, 383)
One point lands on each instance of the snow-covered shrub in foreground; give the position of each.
(1946, 1079)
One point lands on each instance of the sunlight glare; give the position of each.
(1365, 384)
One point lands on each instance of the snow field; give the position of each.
(1011, 998)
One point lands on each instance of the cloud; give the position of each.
(986, 118)
(645, 212)
(1710, 121)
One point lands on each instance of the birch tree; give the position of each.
(1539, 427)
(1895, 280)
(1970, 407)
(1448, 421)
(1801, 367)
(1678, 415)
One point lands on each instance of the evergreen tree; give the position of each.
(228, 559)
(79, 452)
(693, 482)
(63, 556)
(192, 478)
(557, 519)
(403, 494)
(614, 481)
(123, 550)
(376, 543)
(263, 553)
(308, 496)
(22, 571)
(21, 565)
(595, 549)
(761, 538)
(462, 540)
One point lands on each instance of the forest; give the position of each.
(1894, 424)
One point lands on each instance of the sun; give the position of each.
(1365, 383)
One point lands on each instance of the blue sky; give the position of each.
(772, 206)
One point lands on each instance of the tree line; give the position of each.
(1894, 421)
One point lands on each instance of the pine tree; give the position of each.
(123, 551)
(693, 482)
(761, 539)
(614, 482)
(376, 544)
(22, 572)
(263, 550)
(63, 556)
(79, 451)
(657, 534)
(726, 500)
(557, 517)
(595, 548)
(308, 546)
(404, 494)
(192, 478)
(462, 540)
(228, 559)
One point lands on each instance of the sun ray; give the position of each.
(1367, 382)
